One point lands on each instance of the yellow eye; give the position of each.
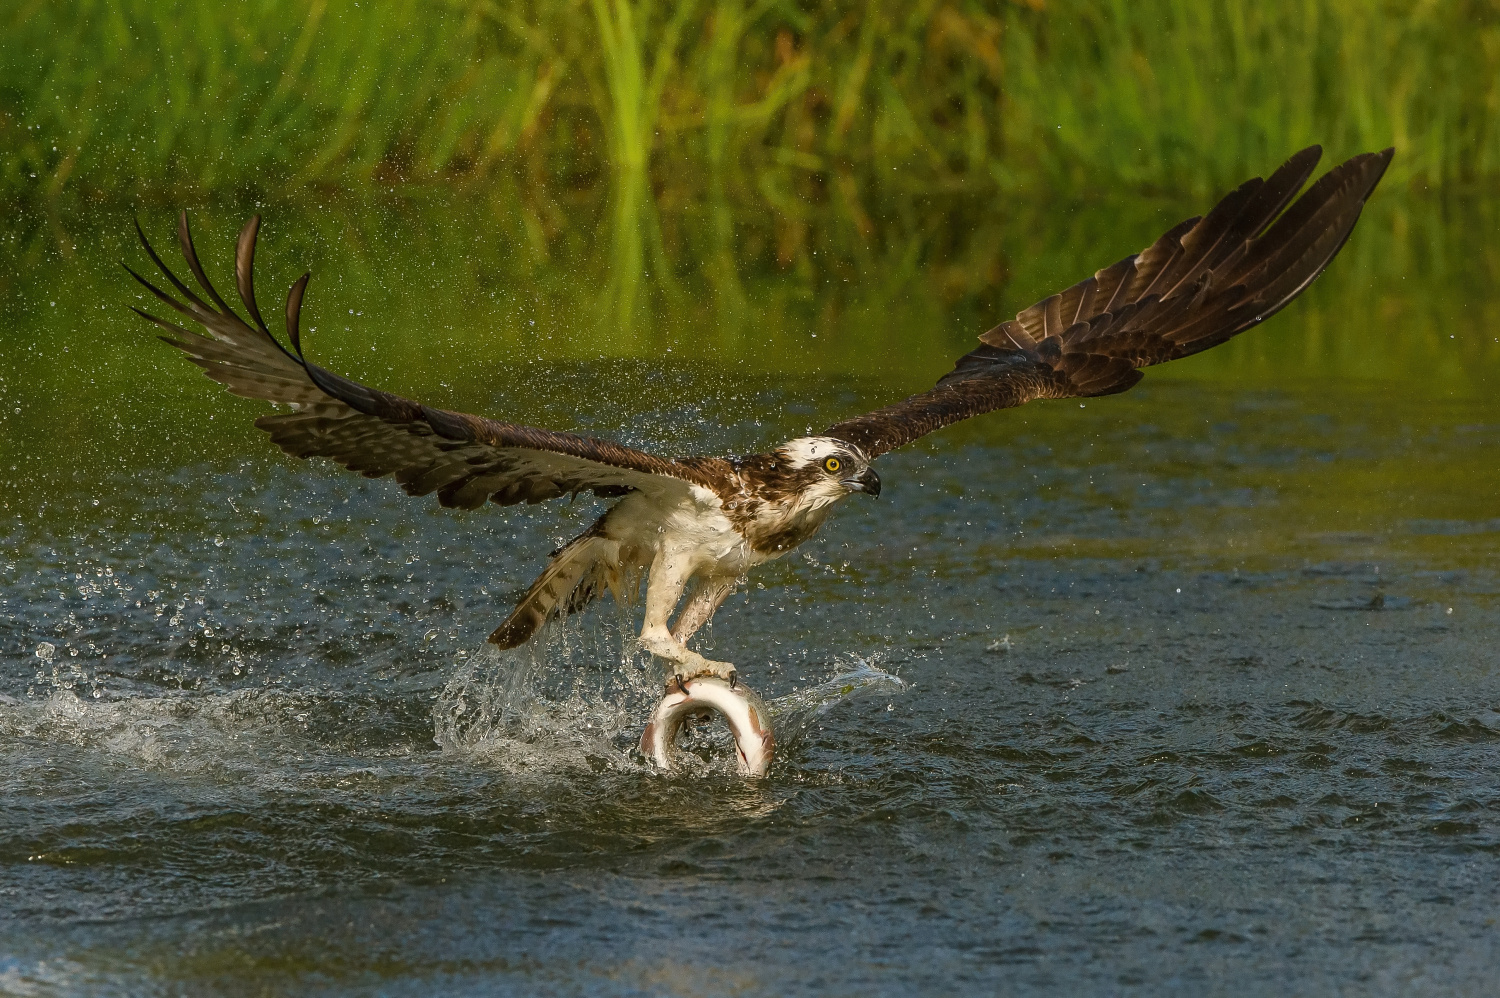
(832, 464)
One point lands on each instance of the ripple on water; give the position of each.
(1171, 747)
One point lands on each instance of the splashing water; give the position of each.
(578, 697)
(793, 715)
(574, 697)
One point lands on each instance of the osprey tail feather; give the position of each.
(579, 572)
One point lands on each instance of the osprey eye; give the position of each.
(832, 465)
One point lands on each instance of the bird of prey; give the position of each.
(707, 521)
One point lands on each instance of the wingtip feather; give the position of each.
(244, 270)
(294, 312)
(1260, 241)
(190, 255)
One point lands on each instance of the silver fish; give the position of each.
(744, 711)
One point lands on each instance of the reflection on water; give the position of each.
(1200, 678)
(467, 303)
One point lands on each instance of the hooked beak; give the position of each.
(866, 481)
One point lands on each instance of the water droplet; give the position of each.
(47, 649)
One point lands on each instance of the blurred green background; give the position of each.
(847, 188)
(154, 101)
(705, 226)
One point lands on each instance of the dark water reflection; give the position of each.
(1205, 692)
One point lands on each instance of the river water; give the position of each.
(1191, 690)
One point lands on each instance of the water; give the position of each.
(1198, 685)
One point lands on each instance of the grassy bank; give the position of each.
(142, 101)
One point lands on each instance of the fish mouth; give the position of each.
(866, 481)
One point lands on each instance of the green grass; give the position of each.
(151, 101)
(725, 178)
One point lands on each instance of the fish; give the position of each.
(744, 711)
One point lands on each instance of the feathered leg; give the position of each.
(669, 575)
(700, 609)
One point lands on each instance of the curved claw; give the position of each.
(734, 679)
(682, 685)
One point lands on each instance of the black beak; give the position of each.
(866, 481)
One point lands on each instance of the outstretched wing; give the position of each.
(464, 459)
(1199, 284)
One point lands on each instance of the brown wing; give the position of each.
(1199, 284)
(464, 459)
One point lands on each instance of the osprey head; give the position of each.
(834, 467)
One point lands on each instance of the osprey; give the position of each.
(710, 520)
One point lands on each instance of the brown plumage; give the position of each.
(1202, 282)
(465, 459)
(711, 519)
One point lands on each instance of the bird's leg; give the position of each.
(669, 574)
(700, 609)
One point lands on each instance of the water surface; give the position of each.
(1201, 684)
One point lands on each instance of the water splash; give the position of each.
(793, 715)
(577, 698)
(238, 734)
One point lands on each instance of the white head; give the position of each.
(823, 469)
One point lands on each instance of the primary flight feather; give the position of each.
(712, 519)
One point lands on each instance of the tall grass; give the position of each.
(130, 100)
(1181, 91)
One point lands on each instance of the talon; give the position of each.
(734, 679)
(682, 685)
